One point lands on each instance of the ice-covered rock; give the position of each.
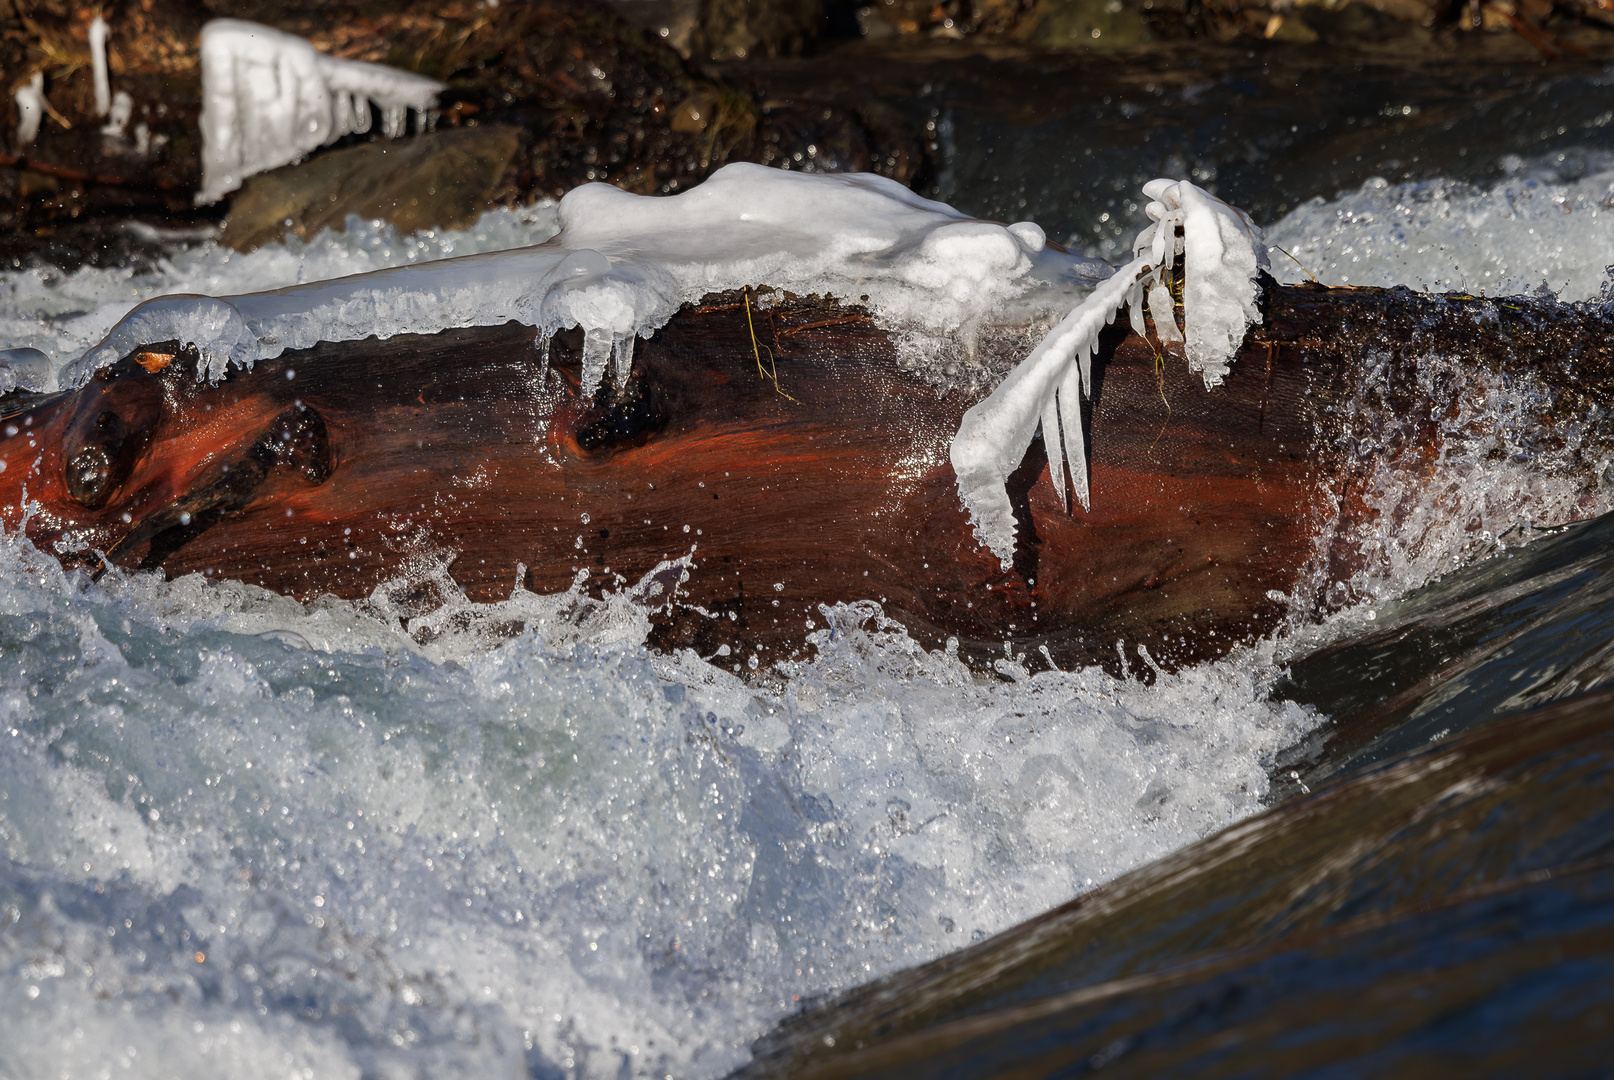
(269, 97)
(1221, 250)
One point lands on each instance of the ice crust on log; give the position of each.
(623, 264)
(1222, 251)
(24, 368)
(268, 98)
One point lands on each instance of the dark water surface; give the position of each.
(1067, 140)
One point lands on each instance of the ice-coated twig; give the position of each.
(103, 85)
(30, 99)
(269, 97)
(1222, 252)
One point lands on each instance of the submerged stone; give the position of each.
(440, 180)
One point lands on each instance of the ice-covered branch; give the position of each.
(268, 98)
(1221, 251)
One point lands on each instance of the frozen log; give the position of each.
(1215, 513)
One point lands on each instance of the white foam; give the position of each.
(1527, 231)
(622, 264)
(1495, 472)
(268, 98)
(1488, 460)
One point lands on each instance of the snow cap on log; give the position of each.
(269, 97)
(1222, 252)
(622, 264)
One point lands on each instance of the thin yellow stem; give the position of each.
(756, 351)
(1300, 264)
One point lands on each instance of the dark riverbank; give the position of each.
(991, 117)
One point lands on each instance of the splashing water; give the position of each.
(243, 834)
(563, 853)
(1529, 231)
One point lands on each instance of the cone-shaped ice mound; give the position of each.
(1221, 250)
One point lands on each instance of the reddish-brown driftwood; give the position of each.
(326, 470)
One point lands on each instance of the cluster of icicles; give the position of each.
(1222, 252)
(269, 97)
(117, 109)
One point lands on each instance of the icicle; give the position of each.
(994, 434)
(622, 352)
(1135, 310)
(350, 115)
(597, 349)
(1163, 308)
(1070, 415)
(30, 99)
(394, 120)
(1221, 250)
(1053, 443)
(103, 85)
(1221, 255)
(268, 98)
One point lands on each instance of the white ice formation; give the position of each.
(118, 116)
(30, 99)
(28, 369)
(1221, 250)
(622, 264)
(103, 84)
(268, 98)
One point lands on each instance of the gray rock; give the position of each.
(442, 180)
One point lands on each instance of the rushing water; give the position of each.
(242, 835)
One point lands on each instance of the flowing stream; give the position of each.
(241, 835)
